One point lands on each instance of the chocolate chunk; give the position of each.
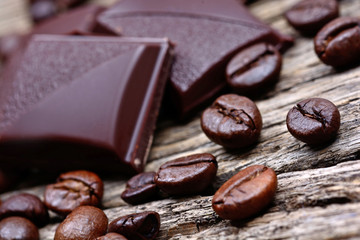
(80, 21)
(75, 102)
(207, 35)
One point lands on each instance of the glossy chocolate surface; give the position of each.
(76, 102)
(207, 33)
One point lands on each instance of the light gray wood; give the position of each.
(318, 193)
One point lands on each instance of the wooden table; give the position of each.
(318, 195)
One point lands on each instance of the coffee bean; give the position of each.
(85, 222)
(187, 175)
(140, 188)
(112, 236)
(42, 9)
(18, 228)
(25, 205)
(74, 189)
(138, 226)
(254, 69)
(314, 121)
(246, 193)
(232, 121)
(338, 43)
(309, 16)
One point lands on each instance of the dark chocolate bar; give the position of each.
(83, 102)
(207, 34)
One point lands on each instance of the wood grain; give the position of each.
(318, 195)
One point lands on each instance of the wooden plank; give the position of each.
(318, 195)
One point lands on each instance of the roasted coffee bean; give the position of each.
(309, 16)
(18, 228)
(187, 175)
(25, 205)
(338, 43)
(85, 222)
(140, 188)
(232, 121)
(74, 189)
(314, 121)
(112, 236)
(254, 69)
(138, 226)
(42, 9)
(246, 193)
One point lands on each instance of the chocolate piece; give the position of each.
(75, 102)
(207, 33)
(80, 21)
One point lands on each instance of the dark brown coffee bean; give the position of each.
(338, 43)
(138, 226)
(140, 188)
(309, 16)
(42, 9)
(187, 175)
(18, 228)
(85, 222)
(25, 205)
(314, 121)
(232, 121)
(74, 189)
(246, 193)
(112, 236)
(254, 69)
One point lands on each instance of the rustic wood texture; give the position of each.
(318, 195)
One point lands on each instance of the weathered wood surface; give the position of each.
(318, 195)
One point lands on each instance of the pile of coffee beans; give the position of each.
(76, 195)
(337, 40)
